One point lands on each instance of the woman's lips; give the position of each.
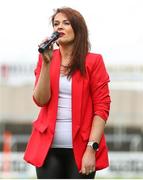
(62, 34)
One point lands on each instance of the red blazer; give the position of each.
(90, 96)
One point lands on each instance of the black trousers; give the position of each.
(60, 164)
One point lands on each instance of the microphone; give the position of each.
(46, 44)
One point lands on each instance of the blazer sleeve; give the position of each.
(37, 73)
(99, 88)
(38, 69)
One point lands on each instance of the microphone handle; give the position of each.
(45, 46)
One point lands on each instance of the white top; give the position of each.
(63, 129)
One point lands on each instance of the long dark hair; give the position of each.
(81, 44)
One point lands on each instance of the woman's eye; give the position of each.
(67, 23)
(55, 24)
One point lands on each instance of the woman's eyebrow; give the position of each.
(62, 20)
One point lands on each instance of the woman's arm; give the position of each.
(101, 105)
(97, 129)
(42, 91)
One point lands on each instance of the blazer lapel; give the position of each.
(54, 80)
(77, 86)
(55, 72)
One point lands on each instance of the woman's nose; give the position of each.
(60, 26)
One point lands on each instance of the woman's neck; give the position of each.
(66, 52)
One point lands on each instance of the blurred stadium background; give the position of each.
(124, 129)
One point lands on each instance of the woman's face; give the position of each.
(63, 26)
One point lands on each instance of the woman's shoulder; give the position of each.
(93, 54)
(93, 58)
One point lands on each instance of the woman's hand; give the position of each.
(47, 54)
(88, 161)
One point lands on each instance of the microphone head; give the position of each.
(55, 35)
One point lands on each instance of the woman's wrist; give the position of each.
(90, 150)
(46, 63)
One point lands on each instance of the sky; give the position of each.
(115, 28)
